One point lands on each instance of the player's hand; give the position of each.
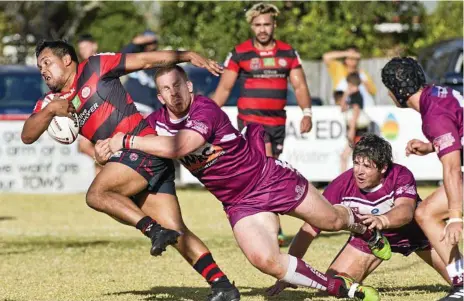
(419, 148)
(278, 287)
(102, 151)
(61, 107)
(452, 233)
(306, 124)
(378, 222)
(199, 61)
(116, 142)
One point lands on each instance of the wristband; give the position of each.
(307, 112)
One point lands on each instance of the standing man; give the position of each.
(87, 46)
(263, 66)
(441, 110)
(339, 71)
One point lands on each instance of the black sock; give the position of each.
(146, 225)
(207, 267)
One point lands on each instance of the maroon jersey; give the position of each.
(442, 118)
(226, 164)
(263, 79)
(103, 106)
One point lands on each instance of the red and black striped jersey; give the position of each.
(103, 106)
(263, 79)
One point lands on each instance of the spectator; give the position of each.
(338, 72)
(87, 46)
(140, 85)
(357, 121)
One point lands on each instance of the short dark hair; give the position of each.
(337, 95)
(59, 48)
(374, 148)
(86, 37)
(353, 47)
(353, 78)
(167, 69)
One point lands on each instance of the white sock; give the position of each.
(455, 268)
(306, 277)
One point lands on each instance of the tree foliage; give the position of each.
(312, 27)
(112, 23)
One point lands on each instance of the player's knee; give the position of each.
(175, 224)
(266, 263)
(421, 215)
(94, 199)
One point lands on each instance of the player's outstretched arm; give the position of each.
(153, 59)
(401, 214)
(38, 122)
(225, 86)
(180, 145)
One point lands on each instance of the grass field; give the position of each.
(53, 247)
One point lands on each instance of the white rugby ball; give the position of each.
(62, 129)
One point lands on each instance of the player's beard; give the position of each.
(265, 41)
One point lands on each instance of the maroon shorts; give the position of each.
(280, 190)
(405, 240)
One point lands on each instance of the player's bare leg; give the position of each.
(430, 215)
(264, 253)
(109, 193)
(354, 263)
(165, 209)
(318, 212)
(432, 258)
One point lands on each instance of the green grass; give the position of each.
(53, 247)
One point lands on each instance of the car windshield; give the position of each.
(20, 91)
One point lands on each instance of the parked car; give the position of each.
(20, 88)
(205, 83)
(443, 63)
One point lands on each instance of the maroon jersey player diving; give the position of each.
(253, 188)
(384, 194)
(441, 110)
(93, 89)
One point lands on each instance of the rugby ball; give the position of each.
(62, 129)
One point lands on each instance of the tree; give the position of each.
(312, 27)
(112, 23)
(444, 23)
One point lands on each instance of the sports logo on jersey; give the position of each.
(85, 92)
(440, 92)
(406, 189)
(375, 211)
(442, 142)
(76, 102)
(85, 115)
(133, 157)
(255, 63)
(282, 62)
(202, 158)
(198, 126)
(269, 62)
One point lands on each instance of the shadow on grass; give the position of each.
(7, 218)
(176, 293)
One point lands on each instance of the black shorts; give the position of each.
(273, 134)
(159, 172)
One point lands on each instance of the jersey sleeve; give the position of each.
(232, 61)
(333, 191)
(296, 61)
(38, 106)
(443, 133)
(405, 185)
(203, 119)
(108, 65)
